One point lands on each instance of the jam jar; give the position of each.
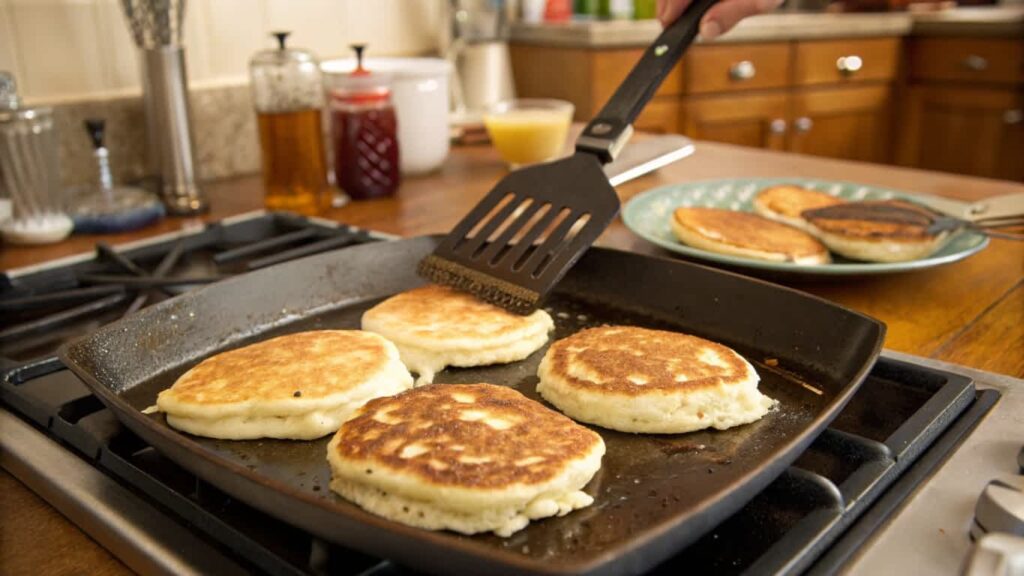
(364, 132)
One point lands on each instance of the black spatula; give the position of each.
(519, 241)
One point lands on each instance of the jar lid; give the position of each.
(361, 84)
(282, 55)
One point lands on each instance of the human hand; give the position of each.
(720, 18)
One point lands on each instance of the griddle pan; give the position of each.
(654, 493)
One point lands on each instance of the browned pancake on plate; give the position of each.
(639, 380)
(785, 203)
(470, 458)
(877, 231)
(745, 234)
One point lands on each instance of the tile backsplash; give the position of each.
(70, 50)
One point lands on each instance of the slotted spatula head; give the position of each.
(519, 241)
(531, 228)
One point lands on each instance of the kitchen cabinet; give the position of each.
(976, 131)
(964, 107)
(758, 120)
(851, 122)
(823, 98)
(942, 103)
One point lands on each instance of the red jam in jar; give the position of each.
(365, 135)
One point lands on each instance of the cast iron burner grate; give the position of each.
(899, 427)
(41, 310)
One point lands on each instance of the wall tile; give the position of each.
(8, 48)
(58, 46)
(120, 60)
(318, 25)
(235, 30)
(396, 27)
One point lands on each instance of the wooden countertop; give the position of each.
(970, 312)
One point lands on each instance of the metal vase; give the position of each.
(170, 144)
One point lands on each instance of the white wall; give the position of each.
(65, 50)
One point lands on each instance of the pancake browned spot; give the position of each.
(470, 458)
(298, 386)
(640, 380)
(882, 231)
(785, 203)
(435, 326)
(745, 234)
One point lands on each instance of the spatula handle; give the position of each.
(605, 135)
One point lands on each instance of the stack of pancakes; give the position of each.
(795, 224)
(468, 458)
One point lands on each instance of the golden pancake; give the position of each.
(470, 458)
(435, 326)
(296, 386)
(878, 231)
(786, 203)
(640, 380)
(745, 234)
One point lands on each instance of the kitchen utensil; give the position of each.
(419, 90)
(287, 92)
(30, 171)
(156, 27)
(364, 132)
(476, 44)
(654, 494)
(990, 215)
(649, 215)
(565, 204)
(105, 208)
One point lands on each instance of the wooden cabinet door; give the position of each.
(757, 120)
(850, 122)
(976, 131)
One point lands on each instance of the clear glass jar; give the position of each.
(287, 92)
(364, 133)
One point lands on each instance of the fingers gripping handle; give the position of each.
(605, 135)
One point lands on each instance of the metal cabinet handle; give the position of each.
(777, 126)
(742, 70)
(848, 65)
(1013, 117)
(803, 124)
(975, 63)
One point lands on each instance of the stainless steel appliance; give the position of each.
(890, 487)
(477, 45)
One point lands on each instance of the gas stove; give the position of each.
(864, 498)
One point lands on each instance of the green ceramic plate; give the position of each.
(648, 215)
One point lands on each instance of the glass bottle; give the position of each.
(364, 133)
(287, 93)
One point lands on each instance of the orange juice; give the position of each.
(529, 135)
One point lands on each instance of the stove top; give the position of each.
(902, 423)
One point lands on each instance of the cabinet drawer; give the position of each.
(660, 116)
(967, 59)
(842, 61)
(740, 67)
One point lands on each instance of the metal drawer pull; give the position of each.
(804, 124)
(742, 70)
(847, 65)
(1013, 117)
(777, 126)
(975, 63)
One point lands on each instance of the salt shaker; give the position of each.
(30, 171)
(287, 92)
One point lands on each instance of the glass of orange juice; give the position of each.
(529, 130)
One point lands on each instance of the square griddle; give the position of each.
(654, 494)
